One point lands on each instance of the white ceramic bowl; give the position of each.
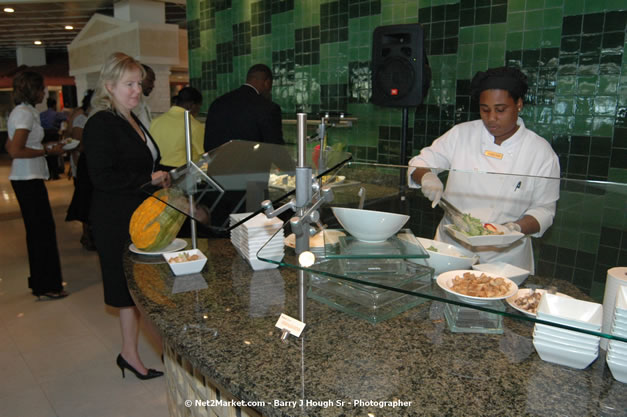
(502, 269)
(369, 225)
(561, 344)
(446, 257)
(572, 339)
(571, 312)
(188, 267)
(570, 335)
(445, 281)
(618, 371)
(566, 357)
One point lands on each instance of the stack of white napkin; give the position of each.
(255, 234)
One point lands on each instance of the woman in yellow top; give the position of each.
(168, 130)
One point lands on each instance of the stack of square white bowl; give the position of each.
(258, 232)
(617, 350)
(562, 346)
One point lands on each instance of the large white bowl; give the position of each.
(189, 267)
(447, 257)
(502, 269)
(369, 225)
(571, 312)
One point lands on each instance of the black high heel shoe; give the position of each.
(122, 364)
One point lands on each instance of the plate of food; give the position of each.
(476, 233)
(176, 245)
(527, 300)
(69, 144)
(475, 287)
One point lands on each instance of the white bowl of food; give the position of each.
(369, 225)
(476, 287)
(516, 274)
(186, 261)
(445, 256)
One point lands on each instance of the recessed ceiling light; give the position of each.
(37, 42)
(9, 9)
(69, 27)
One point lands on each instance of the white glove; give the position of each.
(512, 227)
(432, 187)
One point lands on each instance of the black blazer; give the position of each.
(118, 162)
(243, 114)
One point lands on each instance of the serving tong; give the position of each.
(455, 214)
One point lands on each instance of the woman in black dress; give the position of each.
(121, 157)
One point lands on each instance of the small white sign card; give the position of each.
(290, 325)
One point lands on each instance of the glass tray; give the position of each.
(372, 303)
(468, 320)
(403, 245)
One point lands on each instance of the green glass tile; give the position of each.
(464, 71)
(553, 18)
(573, 7)
(617, 175)
(482, 33)
(584, 105)
(534, 20)
(603, 126)
(551, 38)
(466, 35)
(614, 5)
(478, 66)
(532, 39)
(566, 84)
(568, 239)
(597, 291)
(497, 52)
(515, 21)
(583, 125)
(480, 52)
(554, 3)
(498, 32)
(564, 106)
(516, 5)
(605, 105)
(514, 41)
(594, 6)
(464, 53)
(586, 86)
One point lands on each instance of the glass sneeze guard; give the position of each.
(584, 209)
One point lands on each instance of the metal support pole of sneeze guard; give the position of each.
(303, 197)
(188, 152)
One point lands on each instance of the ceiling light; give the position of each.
(69, 27)
(9, 10)
(37, 42)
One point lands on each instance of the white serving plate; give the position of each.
(484, 240)
(188, 267)
(177, 244)
(523, 292)
(445, 281)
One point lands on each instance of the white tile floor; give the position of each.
(57, 357)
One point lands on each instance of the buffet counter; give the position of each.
(224, 356)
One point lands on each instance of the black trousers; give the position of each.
(41, 236)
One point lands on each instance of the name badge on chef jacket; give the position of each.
(492, 154)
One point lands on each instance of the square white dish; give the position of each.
(524, 292)
(569, 358)
(571, 312)
(546, 329)
(565, 344)
(186, 267)
(619, 372)
(503, 269)
(484, 240)
(571, 338)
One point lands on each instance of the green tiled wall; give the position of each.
(320, 51)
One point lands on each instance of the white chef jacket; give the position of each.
(25, 116)
(530, 188)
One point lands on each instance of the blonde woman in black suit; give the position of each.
(121, 157)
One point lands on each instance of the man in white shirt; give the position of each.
(142, 111)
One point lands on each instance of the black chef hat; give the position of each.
(501, 78)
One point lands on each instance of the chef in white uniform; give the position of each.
(524, 199)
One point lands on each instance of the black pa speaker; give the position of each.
(69, 96)
(400, 70)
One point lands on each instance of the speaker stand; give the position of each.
(403, 175)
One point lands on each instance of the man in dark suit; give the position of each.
(246, 113)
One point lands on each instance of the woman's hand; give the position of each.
(161, 178)
(55, 148)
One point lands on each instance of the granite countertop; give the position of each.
(228, 332)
